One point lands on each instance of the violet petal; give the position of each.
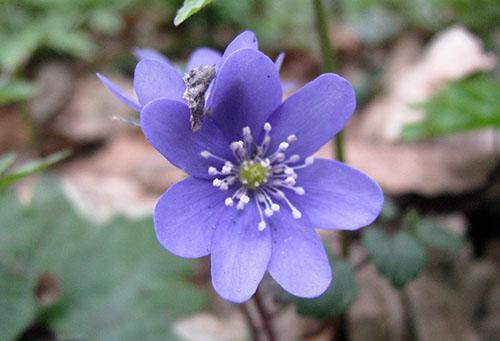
(165, 123)
(338, 196)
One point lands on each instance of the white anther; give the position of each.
(226, 169)
(262, 226)
(291, 138)
(294, 158)
(216, 182)
(300, 190)
(309, 160)
(205, 154)
(229, 202)
(296, 214)
(212, 170)
(247, 131)
(224, 186)
(265, 163)
(290, 181)
(284, 146)
(268, 212)
(280, 157)
(245, 199)
(267, 139)
(267, 126)
(275, 207)
(289, 171)
(235, 145)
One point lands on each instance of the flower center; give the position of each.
(260, 175)
(253, 174)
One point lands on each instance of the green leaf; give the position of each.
(189, 8)
(32, 167)
(399, 256)
(336, 299)
(17, 48)
(431, 233)
(115, 281)
(465, 105)
(16, 91)
(6, 160)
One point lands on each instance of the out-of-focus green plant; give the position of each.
(62, 26)
(336, 299)
(86, 282)
(468, 104)
(35, 166)
(400, 253)
(376, 21)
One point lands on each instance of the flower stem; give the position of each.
(327, 54)
(254, 331)
(265, 317)
(328, 57)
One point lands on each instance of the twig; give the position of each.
(265, 318)
(254, 332)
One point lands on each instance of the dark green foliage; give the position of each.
(115, 281)
(398, 256)
(432, 234)
(336, 299)
(465, 105)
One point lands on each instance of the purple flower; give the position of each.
(156, 77)
(255, 194)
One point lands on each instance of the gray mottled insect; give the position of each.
(197, 82)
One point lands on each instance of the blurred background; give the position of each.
(78, 255)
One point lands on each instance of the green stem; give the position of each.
(323, 35)
(322, 26)
(327, 54)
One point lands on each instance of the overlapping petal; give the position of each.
(240, 254)
(154, 79)
(187, 215)
(150, 54)
(119, 93)
(245, 40)
(315, 113)
(203, 56)
(338, 196)
(165, 123)
(298, 262)
(246, 90)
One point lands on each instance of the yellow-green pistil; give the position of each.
(253, 174)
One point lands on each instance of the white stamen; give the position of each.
(284, 146)
(262, 225)
(296, 214)
(229, 202)
(300, 190)
(236, 145)
(280, 173)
